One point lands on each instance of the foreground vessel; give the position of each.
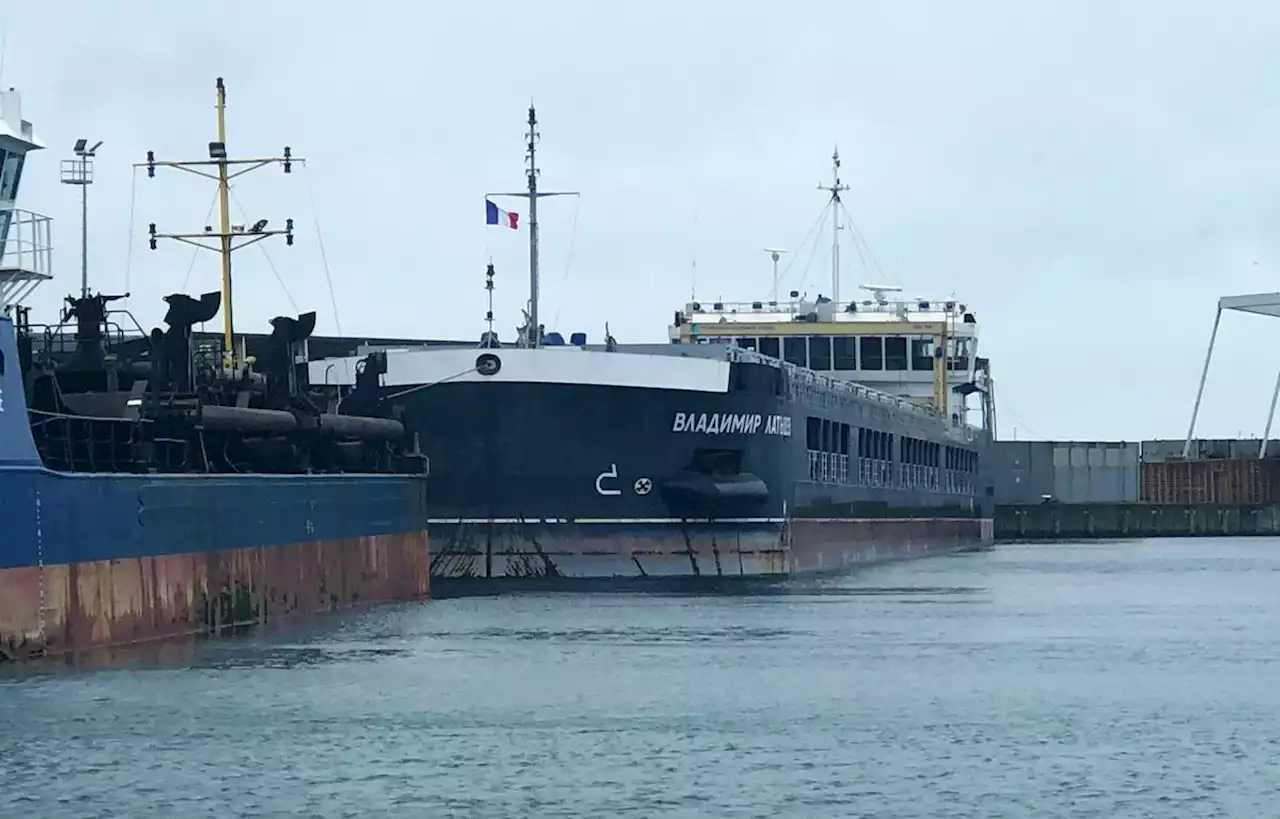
(153, 487)
(745, 447)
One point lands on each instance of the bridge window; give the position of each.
(895, 353)
(871, 349)
(769, 347)
(813, 433)
(819, 353)
(10, 174)
(845, 349)
(960, 351)
(747, 343)
(794, 350)
(922, 354)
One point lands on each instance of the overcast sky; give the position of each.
(1088, 176)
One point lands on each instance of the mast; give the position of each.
(834, 189)
(224, 220)
(533, 334)
(80, 172)
(227, 233)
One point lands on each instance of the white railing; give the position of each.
(945, 307)
(26, 257)
(807, 377)
(828, 467)
(831, 467)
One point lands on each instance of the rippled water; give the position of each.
(1107, 680)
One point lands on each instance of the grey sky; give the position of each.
(1088, 176)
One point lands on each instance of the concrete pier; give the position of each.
(1092, 521)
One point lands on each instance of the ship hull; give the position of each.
(641, 553)
(112, 560)
(570, 466)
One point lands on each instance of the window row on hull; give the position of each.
(825, 435)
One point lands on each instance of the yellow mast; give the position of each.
(227, 233)
(224, 219)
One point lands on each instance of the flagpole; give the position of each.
(533, 336)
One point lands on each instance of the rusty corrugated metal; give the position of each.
(72, 607)
(1212, 480)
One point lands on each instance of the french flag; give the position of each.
(494, 215)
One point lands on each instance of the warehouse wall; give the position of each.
(1069, 471)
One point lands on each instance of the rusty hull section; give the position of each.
(63, 608)
(566, 552)
(827, 545)
(560, 553)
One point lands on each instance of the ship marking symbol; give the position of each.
(643, 486)
(611, 472)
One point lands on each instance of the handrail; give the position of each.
(812, 378)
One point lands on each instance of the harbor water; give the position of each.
(1065, 680)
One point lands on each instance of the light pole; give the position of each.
(775, 253)
(79, 171)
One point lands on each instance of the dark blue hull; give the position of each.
(577, 465)
(90, 560)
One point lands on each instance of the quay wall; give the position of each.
(1097, 521)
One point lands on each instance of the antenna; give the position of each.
(775, 253)
(693, 262)
(488, 316)
(80, 172)
(835, 188)
(878, 291)
(227, 233)
(533, 335)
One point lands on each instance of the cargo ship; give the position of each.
(152, 487)
(747, 445)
